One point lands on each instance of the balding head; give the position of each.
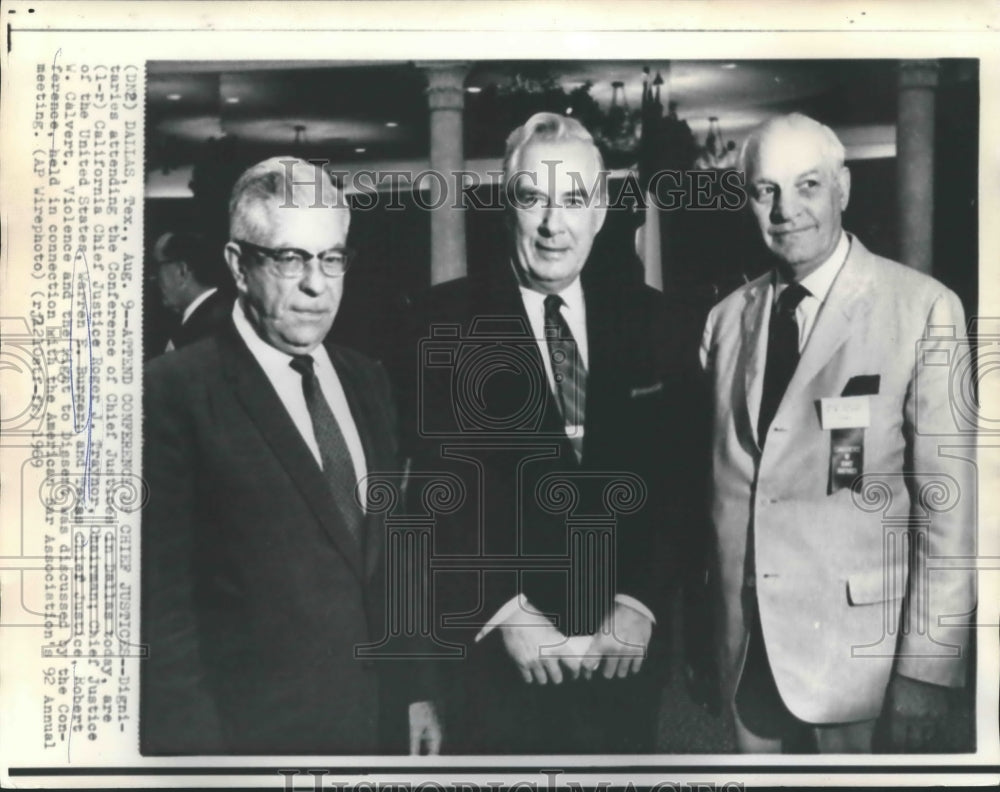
(798, 188)
(794, 125)
(184, 268)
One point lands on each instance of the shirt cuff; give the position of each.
(634, 604)
(520, 602)
(508, 609)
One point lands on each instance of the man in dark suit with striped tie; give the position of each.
(263, 572)
(555, 383)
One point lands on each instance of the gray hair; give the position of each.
(833, 149)
(546, 128)
(274, 181)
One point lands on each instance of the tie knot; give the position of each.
(790, 298)
(303, 364)
(553, 302)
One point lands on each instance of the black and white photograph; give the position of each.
(585, 404)
(567, 270)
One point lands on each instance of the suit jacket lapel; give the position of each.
(256, 394)
(755, 313)
(606, 344)
(206, 318)
(848, 300)
(502, 297)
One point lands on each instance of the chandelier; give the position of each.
(716, 154)
(619, 132)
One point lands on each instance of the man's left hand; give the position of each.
(619, 647)
(916, 710)
(425, 729)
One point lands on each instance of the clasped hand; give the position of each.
(543, 654)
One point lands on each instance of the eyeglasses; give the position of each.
(291, 262)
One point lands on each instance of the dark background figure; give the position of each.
(194, 285)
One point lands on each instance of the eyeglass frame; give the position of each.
(304, 257)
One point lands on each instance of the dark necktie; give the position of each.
(782, 354)
(567, 370)
(337, 465)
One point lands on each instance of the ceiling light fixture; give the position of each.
(360, 150)
(173, 97)
(391, 124)
(232, 100)
(473, 89)
(728, 65)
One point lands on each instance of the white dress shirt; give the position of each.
(574, 311)
(288, 385)
(193, 305)
(818, 282)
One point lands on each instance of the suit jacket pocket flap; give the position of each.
(875, 585)
(646, 390)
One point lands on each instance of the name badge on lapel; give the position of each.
(846, 419)
(846, 412)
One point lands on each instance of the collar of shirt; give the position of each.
(288, 384)
(818, 282)
(574, 312)
(193, 306)
(276, 364)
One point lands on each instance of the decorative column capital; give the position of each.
(918, 73)
(445, 84)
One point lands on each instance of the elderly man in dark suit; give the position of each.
(833, 489)
(188, 285)
(539, 381)
(263, 571)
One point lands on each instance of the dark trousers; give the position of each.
(492, 710)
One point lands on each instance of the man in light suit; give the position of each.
(827, 427)
(187, 282)
(565, 365)
(262, 571)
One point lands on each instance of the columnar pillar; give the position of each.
(446, 100)
(918, 81)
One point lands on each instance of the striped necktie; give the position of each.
(568, 371)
